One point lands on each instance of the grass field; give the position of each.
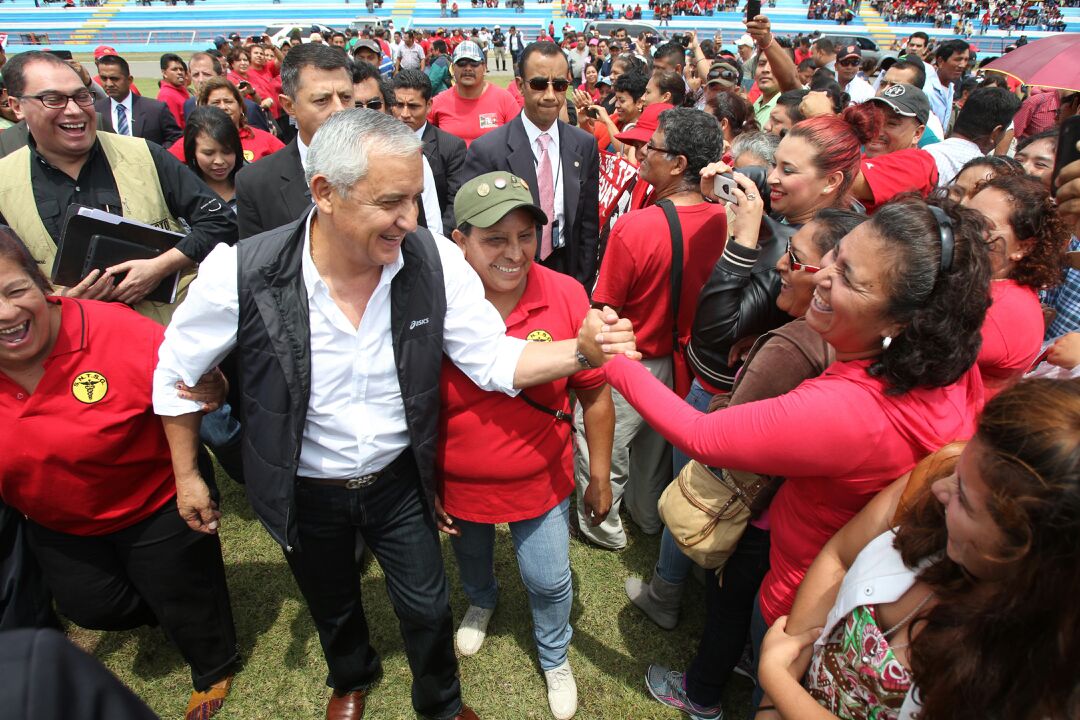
(284, 671)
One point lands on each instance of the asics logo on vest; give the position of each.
(417, 323)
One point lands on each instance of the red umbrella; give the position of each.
(1051, 62)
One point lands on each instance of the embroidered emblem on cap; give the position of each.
(894, 91)
(90, 387)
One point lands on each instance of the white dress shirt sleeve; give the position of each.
(201, 334)
(429, 196)
(474, 334)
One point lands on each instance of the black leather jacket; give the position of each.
(737, 301)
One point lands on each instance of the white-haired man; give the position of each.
(339, 321)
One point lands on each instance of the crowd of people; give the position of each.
(812, 322)
(966, 15)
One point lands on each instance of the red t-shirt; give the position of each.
(471, 118)
(175, 98)
(256, 143)
(527, 463)
(84, 453)
(1012, 335)
(898, 172)
(636, 272)
(267, 84)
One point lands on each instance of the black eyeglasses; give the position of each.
(373, 104)
(59, 101)
(652, 148)
(948, 241)
(796, 265)
(541, 84)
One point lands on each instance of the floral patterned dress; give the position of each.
(855, 674)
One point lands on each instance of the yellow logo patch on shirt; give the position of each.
(90, 387)
(539, 336)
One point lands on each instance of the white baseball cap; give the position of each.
(745, 40)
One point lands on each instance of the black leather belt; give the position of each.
(362, 481)
(353, 483)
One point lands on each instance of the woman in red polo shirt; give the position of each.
(508, 459)
(87, 464)
(219, 92)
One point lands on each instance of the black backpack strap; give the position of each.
(675, 228)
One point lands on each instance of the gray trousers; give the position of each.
(640, 468)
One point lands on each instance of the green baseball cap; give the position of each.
(488, 198)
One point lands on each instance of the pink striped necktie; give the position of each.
(545, 185)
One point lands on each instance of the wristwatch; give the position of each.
(584, 361)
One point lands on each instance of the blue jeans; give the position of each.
(673, 566)
(542, 546)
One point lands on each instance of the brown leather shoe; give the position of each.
(349, 706)
(466, 713)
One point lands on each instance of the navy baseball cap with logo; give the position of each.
(849, 51)
(906, 100)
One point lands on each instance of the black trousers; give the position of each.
(158, 571)
(393, 518)
(728, 609)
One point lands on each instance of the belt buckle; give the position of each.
(360, 482)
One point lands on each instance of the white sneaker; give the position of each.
(473, 630)
(562, 691)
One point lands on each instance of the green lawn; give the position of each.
(284, 671)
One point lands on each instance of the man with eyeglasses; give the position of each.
(473, 106)
(444, 152)
(848, 76)
(272, 192)
(560, 163)
(68, 162)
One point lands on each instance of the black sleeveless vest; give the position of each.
(274, 363)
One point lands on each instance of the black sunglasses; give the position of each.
(541, 84)
(849, 62)
(373, 104)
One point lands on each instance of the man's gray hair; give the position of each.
(759, 144)
(339, 151)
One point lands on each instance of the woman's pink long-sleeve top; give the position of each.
(838, 439)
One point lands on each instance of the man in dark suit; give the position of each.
(559, 162)
(272, 192)
(126, 113)
(445, 153)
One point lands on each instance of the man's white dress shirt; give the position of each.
(356, 419)
(555, 158)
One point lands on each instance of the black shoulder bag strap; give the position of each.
(676, 268)
(559, 415)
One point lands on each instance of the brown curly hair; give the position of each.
(1035, 220)
(1007, 649)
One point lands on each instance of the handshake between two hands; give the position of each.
(603, 335)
